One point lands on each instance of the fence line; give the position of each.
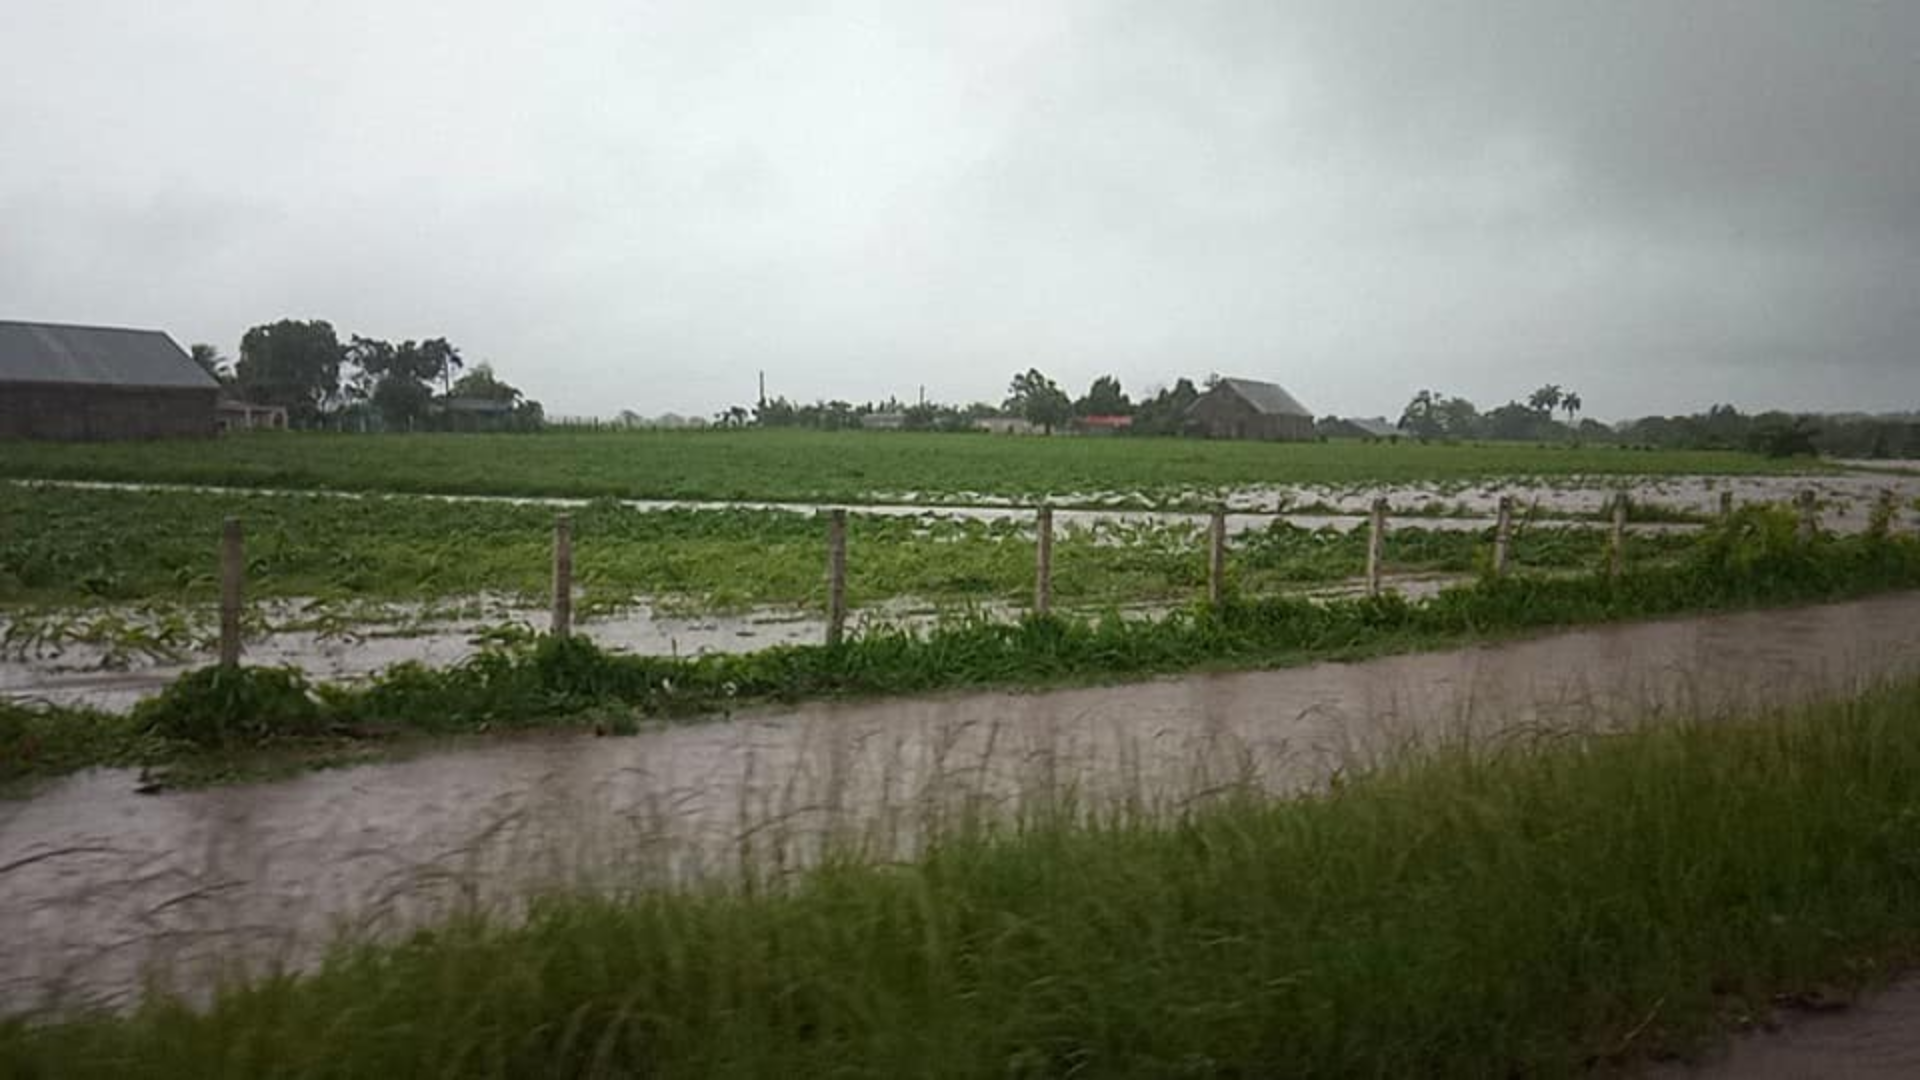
(233, 559)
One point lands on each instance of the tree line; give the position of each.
(1031, 396)
(1780, 434)
(366, 383)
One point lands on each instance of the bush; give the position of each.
(219, 706)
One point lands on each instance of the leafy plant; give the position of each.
(219, 706)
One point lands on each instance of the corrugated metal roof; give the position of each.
(99, 355)
(1267, 397)
(1377, 426)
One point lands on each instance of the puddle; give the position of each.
(103, 886)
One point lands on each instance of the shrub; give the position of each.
(219, 706)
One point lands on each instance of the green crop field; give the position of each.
(825, 466)
(79, 546)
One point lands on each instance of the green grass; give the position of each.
(76, 547)
(1535, 907)
(822, 466)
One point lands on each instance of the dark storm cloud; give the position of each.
(641, 205)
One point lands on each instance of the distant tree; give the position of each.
(436, 358)
(1514, 421)
(367, 359)
(1165, 413)
(837, 415)
(1458, 418)
(1723, 426)
(398, 379)
(732, 416)
(1570, 403)
(481, 382)
(292, 364)
(1431, 415)
(401, 402)
(392, 379)
(211, 362)
(1545, 400)
(776, 412)
(1038, 399)
(1104, 398)
(1779, 435)
(1421, 417)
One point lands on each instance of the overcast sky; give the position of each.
(1659, 203)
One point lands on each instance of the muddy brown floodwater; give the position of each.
(101, 887)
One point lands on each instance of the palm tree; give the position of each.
(1570, 403)
(1546, 399)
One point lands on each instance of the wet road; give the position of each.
(100, 886)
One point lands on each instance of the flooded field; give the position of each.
(102, 886)
(111, 652)
(1846, 500)
(109, 675)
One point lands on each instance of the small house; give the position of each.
(232, 414)
(1006, 425)
(1250, 409)
(1102, 425)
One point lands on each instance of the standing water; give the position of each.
(101, 887)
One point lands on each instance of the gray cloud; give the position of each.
(641, 205)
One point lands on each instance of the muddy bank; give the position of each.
(1875, 1038)
(103, 885)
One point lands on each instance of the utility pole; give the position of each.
(763, 390)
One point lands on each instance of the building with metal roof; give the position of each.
(96, 382)
(1375, 428)
(1250, 409)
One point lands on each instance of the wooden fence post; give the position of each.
(1043, 562)
(233, 573)
(1503, 536)
(562, 576)
(1376, 545)
(1617, 538)
(836, 576)
(1886, 514)
(1726, 505)
(1217, 558)
(1809, 520)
